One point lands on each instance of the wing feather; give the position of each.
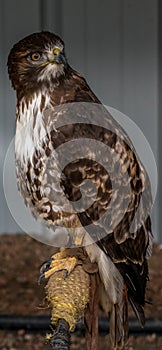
(126, 245)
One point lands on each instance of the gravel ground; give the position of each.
(26, 341)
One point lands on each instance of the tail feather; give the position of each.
(139, 311)
(119, 323)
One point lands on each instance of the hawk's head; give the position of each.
(38, 58)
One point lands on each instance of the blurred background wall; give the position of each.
(115, 44)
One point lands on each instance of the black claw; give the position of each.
(45, 266)
(66, 274)
(41, 277)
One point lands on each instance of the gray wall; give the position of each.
(113, 43)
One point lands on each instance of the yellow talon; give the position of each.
(57, 264)
(61, 254)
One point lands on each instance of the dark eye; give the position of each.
(35, 56)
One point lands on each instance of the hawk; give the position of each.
(44, 81)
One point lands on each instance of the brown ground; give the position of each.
(21, 258)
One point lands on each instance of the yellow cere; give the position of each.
(56, 51)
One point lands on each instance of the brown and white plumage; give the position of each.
(43, 80)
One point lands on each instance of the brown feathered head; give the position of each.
(37, 58)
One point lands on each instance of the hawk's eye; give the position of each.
(35, 56)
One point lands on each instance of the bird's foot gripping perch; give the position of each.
(59, 261)
(68, 295)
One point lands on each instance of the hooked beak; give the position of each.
(61, 59)
(58, 58)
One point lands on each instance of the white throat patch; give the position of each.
(51, 70)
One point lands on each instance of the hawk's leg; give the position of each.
(59, 261)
